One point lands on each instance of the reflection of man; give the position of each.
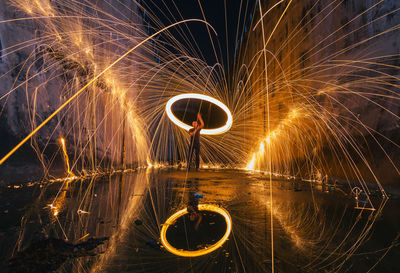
(193, 210)
(195, 141)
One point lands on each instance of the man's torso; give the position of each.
(195, 138)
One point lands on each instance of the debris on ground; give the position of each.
(49, 254)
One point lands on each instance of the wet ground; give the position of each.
(113, 223)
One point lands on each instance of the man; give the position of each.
(194, 214)
(195, 141)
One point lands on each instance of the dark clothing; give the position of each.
(194, 147)
(195, 137)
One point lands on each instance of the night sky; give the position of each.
(232, 24)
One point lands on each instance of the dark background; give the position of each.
(230, 18)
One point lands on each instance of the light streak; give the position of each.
(54, 209)
(90, 83)
(66, 158)
(83, 237)
(79, 211)
(195, 253)
(251, 165)
(275, 137)
(216, 131)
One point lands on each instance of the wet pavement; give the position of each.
(112, 224)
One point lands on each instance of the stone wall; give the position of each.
(337, 61)
(42, 66)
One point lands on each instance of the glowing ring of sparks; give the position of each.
(185, 126)
(187, 253)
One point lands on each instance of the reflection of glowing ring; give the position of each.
(185, 126)
(200, 252)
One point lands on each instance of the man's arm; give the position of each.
(200, 217)
(200, 120)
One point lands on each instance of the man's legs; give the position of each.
(189, 156)
(197, 151)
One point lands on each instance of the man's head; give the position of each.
(194, 124)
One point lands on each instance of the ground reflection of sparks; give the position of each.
(195, 253)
